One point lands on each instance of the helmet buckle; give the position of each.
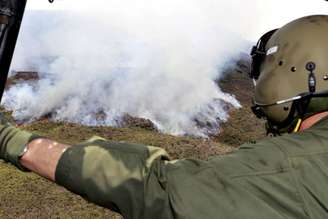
(310, 66)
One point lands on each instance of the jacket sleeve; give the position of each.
(123, 177)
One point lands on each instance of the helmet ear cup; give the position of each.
(258, 54)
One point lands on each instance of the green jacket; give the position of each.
(282, 177)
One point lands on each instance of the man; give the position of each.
(281, 177)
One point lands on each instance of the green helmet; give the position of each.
(290, 72)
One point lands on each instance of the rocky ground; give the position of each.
(26, 195)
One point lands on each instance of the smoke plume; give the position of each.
(156, 60)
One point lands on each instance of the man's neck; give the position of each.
(309, 122)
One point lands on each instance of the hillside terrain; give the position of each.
(26, 195)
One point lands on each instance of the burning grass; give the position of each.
(26, 195)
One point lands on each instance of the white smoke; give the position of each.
(150, 59)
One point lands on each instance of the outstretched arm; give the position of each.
(121, 176)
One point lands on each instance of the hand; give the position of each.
(13, 142)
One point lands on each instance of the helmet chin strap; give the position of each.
(298, 125)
